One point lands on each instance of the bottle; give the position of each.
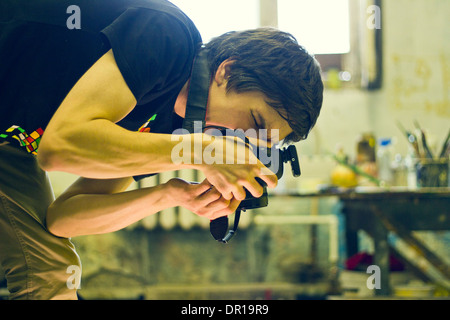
(384, 161)
(365, 148)
(366, 158)
(410, 164)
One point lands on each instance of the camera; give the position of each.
(273, 158)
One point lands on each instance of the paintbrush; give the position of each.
(425, 147)
(412, 139)
(445, 147)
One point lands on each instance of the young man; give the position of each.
(101, 101)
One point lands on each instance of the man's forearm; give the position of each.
(102, 150)
(85, 214)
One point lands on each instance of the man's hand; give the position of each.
(237, 171)
(203, 199)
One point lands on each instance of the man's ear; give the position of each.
(223, 72)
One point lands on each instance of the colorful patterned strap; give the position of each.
(146, 126)
(28, 141)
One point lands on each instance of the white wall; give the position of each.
(416, 84)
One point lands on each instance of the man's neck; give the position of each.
(180, 103)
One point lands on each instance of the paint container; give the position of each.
(432, 173)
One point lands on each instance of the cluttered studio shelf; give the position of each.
(390, 216)
(391, 203)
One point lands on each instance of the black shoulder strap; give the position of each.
(197, 101)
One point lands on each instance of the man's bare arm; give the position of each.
(91, 206)
(82, 137)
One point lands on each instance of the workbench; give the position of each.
(381, 211)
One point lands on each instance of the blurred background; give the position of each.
(386, 67)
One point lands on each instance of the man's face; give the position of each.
(248, 110)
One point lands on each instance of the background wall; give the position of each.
(416, 82)
(416, 85)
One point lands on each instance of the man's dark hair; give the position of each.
(272, 62)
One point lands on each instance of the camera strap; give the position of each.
(197, 101)
(219, 227)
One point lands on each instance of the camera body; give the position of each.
(282, 156)
(219, 226)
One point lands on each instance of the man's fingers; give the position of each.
(202, 187)
(209, 196)
(235, 191)
(227, 195)
(268, 177)
(230, 190)
(234, 204)
(219, 211)
(238, 193)
(254, 187)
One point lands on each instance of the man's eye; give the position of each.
(254, 119)
(256, 124)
